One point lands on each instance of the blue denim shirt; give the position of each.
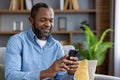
(25, 59)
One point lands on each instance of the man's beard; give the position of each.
(39, 33)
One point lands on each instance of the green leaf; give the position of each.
(90, 37)
(94, 48)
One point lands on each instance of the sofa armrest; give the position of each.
(2, 55)
(105, 77)
(2, 72)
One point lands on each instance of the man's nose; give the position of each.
(47, 23)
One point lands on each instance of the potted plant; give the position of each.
(94, 48)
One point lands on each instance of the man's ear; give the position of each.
(31, 20)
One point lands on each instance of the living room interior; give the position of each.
(69, 15)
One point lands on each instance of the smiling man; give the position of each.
(35, 54)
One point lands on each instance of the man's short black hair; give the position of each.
(36, 7)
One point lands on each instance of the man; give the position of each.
(35, 54)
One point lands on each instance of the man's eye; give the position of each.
(42, 20)
(51, 21)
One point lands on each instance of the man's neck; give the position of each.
(42, 38)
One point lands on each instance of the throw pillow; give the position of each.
(92, 68)
(82, 70)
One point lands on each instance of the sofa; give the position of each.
(2, 61)
(66, 49)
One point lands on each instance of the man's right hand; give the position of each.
(57, 66)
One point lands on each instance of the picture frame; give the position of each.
(62, 23)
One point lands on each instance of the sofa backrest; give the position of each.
(2, 55)
(66, 48)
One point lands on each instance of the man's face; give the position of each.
(43, 22)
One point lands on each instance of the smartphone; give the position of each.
(73, 53)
